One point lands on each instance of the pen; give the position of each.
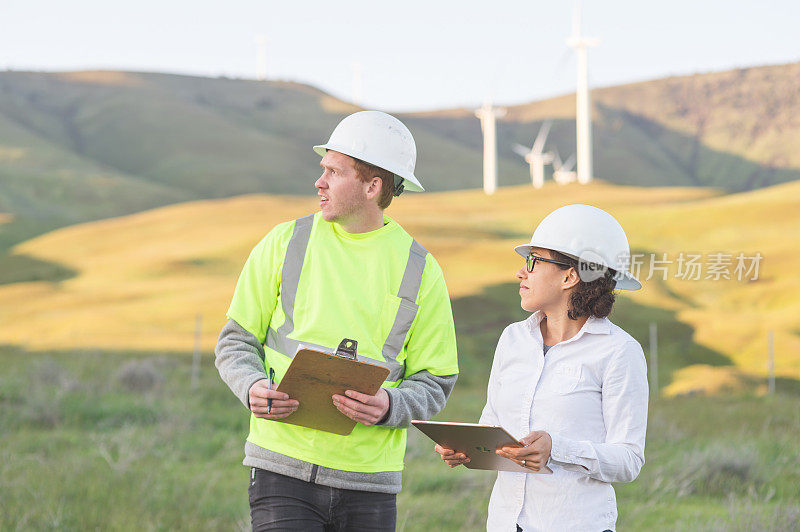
(270, 381)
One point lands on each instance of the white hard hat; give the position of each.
(380, 139)
(590, 235)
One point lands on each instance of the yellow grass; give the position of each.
(101, 77)
(710, 379)
(11, 153)
(144, 278)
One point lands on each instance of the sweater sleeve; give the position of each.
(239, 359)
(420, 396)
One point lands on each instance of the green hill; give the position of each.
(88, 145)
(206, 137)
(735, 130)
(81, 146)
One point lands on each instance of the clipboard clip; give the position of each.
(347, 348)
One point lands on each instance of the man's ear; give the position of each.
(374, 188)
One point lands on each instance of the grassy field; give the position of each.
(101, 429)
(112, 440)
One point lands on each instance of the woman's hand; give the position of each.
(451, 457)
(534, 455)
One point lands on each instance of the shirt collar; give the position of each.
(597, 326)
(592, 326)
(388, 227)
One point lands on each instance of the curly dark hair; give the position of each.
(595, 298)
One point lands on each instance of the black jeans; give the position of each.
(278, 502)
(519, 529)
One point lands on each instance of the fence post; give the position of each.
(771, 363)
(196, 356)
(654, 360)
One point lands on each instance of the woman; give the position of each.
(566, 381)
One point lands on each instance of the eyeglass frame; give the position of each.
(530, 262)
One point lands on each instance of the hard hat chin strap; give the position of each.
(399, 188)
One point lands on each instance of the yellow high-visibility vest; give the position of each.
(309, 282)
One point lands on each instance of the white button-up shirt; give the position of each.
(590, 394)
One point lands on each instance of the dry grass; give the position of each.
(143, 278)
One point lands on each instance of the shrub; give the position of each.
(139, 376)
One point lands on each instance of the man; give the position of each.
(347, 271)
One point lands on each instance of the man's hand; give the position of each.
(534, 454)
(282, 406)
(451, 457)
(366, 409)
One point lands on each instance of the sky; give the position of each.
(413, 55)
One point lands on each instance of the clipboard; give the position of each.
(314, 377)
(479, 442)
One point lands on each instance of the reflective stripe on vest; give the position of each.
(279, 340)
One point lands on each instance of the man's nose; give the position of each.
(522, 273)
(321, 183)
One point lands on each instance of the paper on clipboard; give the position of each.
(314, 377)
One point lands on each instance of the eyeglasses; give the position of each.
(530, 262)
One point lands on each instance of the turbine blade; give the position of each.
(541, 138)
(570, 163)
(576, 21)
(557, 164)
(521, 150)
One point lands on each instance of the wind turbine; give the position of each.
(534, 157)
(487, 115)
(583, 114)
(261, 58)
(562, 172)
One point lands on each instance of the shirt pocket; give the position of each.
(565, 378)
(394, 322)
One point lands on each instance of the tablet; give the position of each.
(479, 442)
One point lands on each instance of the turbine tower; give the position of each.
(261, 58)
(487, 115)
(583, 114)
(534, 157)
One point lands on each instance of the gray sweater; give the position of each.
(239, 359)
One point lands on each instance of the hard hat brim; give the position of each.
(627, 282)
(410, 181)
